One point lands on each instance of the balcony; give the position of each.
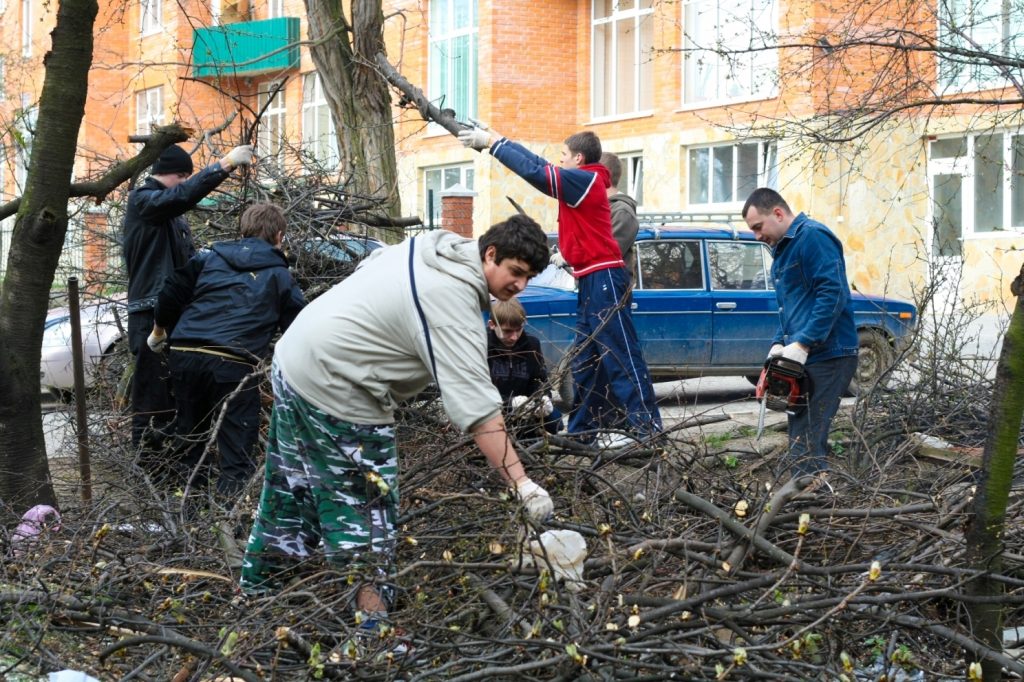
(247, 48)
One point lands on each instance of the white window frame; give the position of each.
(737, 71)
(151, 16)
(964, 166)
(275, 9)
(271, 136)
(26, 28)
(605, 87)
(447, 93)
(982, 25)
(632, 180)
(467, 179)
(767, 172)
(26, 125)
(321, 145)
(3, 78)
(149, 109)
(215, 12)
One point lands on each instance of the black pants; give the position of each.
(152, 400)
(202, 383)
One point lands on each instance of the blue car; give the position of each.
(704, 304)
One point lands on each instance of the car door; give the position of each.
(743, 307)
(671, 308)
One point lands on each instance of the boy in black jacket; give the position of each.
(225, 305)
(517, 370)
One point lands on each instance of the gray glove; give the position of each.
(157, 342)
(535, 500)
(546, 407)
(517, 401)
(475, 138)
(794, 352)
(775, 350)
(239, 156)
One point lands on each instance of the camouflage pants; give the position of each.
(326, 480)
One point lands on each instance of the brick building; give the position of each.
(696, 97)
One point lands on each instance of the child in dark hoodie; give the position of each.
(224, 307)
(608, 365)
(518, 372)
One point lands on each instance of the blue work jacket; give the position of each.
(815, 307)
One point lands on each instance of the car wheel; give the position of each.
(874, 357)
(753, 378)
(112, 378)
(561, 384)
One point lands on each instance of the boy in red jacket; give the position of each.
(608, 366)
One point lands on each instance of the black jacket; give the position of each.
(157, 238)
(518, 370)
(232, 297)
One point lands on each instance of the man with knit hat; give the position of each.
(157, 239)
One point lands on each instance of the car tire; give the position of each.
(874, 358)
(561, 384)
(111, 383)
(753, 378)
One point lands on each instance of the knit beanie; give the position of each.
(174, 159)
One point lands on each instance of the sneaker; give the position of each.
(608, 440)
(383, 640)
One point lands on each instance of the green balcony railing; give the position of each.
(246, 48)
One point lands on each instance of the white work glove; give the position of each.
(535, 500)
(518, 401)
(157, 342)
(546, 407)
(557, 259)
(795, 353)
(775, 350)
(239, 156)
(475, 138)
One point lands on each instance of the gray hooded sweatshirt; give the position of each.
(360, 349)
(624, 224)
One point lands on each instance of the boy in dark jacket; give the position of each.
(225, 305)
(157, 239)
(517, 371)
(608, 364)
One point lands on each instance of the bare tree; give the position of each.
(344, 52)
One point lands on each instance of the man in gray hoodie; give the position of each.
(409, 315)
(624, 222)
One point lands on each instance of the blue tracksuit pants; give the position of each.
(608, 368)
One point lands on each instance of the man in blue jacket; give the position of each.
(225, 305)
(157, 239)
(816, 327)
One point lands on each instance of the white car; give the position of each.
(104, 326)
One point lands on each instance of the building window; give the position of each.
(453, 45)
(318, 137)
(3, 78)
(25, 125)
(436, 180)
(275, 9)
(990, 30)
(725, 175)
(270, 141)
(729, 50)
(622, 37)
(215, 12)
(149, 109)
(631, 181)
(150, 16)
(977, 185)
(26, 28)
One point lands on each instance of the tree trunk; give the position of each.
(36, 245)
(985, 528)
(358, 97)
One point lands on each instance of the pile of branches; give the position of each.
(695, 569)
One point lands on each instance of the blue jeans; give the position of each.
(609, 370)
(809, 424)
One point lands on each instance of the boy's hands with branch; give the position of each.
(479, 137)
